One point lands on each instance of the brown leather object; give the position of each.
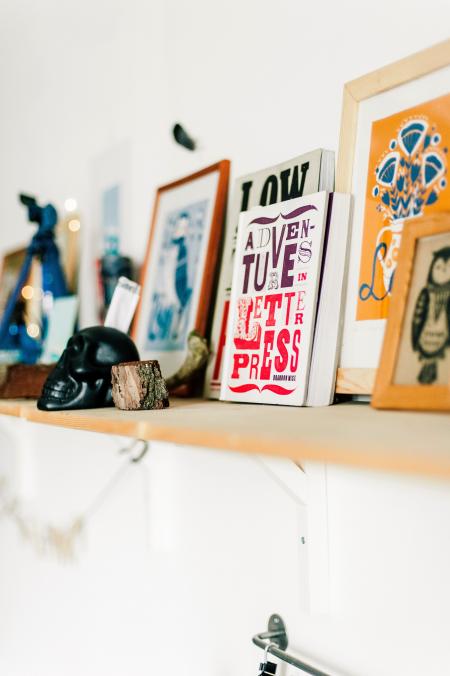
(23, 381)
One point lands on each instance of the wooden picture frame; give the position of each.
(407, 312)
(192, 209)
(10, 268)
(360, 380)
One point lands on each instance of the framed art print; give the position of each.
(393, 157)
(111, 199)
(9, 274)
(180, 265)
(414, 369)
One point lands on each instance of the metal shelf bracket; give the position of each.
(275, 641)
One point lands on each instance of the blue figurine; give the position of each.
(182, 288)
(13, 336)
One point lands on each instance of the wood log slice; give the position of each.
(139, 385)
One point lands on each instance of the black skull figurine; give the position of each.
(82, 376)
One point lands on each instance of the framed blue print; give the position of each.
(179, 269)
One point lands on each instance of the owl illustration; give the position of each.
(431, 321)
(273, 280)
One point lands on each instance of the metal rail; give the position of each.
(275, 641)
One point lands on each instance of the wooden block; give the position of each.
(139, 385)
(355, 381)
(19, 381)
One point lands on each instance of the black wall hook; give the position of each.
(182, 137)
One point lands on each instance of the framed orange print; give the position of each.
(393, 157)
(414, 370)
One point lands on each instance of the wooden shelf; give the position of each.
(352, 434)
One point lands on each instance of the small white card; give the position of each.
(61, 325)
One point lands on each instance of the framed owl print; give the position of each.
(414, 370)
(179, 269)
(394, 158)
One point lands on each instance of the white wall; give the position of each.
(194, 546)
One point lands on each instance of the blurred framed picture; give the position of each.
(180, 265)
(10, 268)
(414, 370)
(393, 157)
(9, 274)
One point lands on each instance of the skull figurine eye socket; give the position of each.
(75, 345)
(84, 363)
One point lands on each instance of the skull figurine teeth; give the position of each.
(82, 376)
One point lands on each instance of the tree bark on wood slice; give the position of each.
(139, 385)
